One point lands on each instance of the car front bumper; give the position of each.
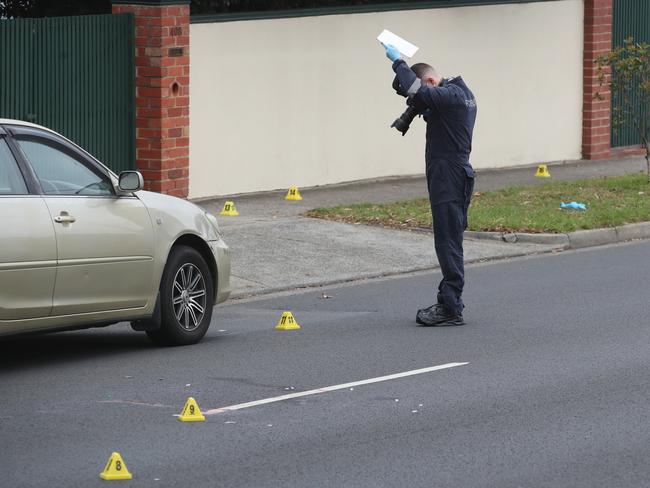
(221, 253)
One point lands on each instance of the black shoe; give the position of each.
(437, 316)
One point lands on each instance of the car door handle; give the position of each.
(64, 218)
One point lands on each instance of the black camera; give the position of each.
(403, 122)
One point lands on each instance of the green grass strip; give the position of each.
(611, 201)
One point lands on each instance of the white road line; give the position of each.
(331, 388)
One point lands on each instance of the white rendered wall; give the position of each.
(307, 101)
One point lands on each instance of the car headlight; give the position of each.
(213, 220)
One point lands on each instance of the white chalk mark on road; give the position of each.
(299, 394)
(138, 404)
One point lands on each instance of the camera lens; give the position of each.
(403, 123)
(401, 126)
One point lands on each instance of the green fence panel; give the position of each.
(76, 76)
(631, 18)
(16, 69)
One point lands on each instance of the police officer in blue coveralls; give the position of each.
(449, 109)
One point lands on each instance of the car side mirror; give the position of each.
(131, 181)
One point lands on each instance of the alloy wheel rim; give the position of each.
(189, 297)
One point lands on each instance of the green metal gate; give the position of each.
(74, 75)
(631, 18)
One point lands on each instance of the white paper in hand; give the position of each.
(405, 47)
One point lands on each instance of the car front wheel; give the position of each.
(187, 299)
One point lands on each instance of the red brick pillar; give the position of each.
(596, 143)
(162, 98)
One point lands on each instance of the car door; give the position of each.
(27, 244)
(105, 242)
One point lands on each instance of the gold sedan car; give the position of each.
(81, 247)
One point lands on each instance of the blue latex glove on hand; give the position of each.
(392, 52)
(574, 205)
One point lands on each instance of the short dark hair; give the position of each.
(423, 69)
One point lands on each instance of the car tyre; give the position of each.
(187, 299)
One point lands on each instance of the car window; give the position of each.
(11, 179)
(61, 174)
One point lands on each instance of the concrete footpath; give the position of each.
(274, 247)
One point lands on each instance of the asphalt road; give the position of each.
(556, 392)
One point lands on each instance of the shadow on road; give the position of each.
(55, 348)
(59, 348)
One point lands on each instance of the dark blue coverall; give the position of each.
(450, 112)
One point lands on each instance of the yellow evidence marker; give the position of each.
(293, 194)
(191, 412)
(542, 171)
(115, 469)
(287, 322)
(229, 210)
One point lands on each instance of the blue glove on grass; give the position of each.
(574, 205)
